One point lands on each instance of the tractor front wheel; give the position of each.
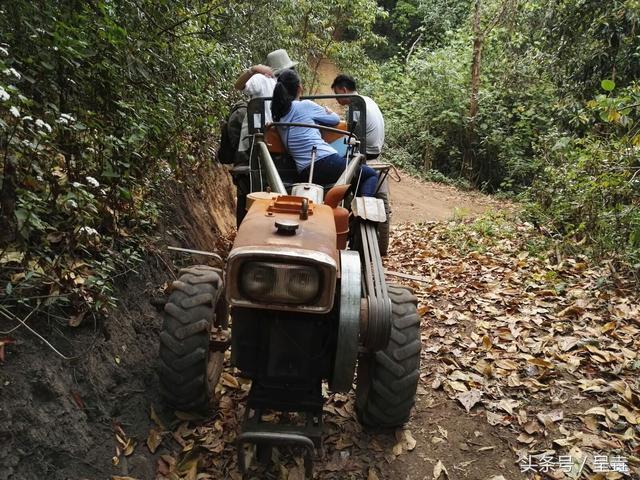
(387, 380)
(189, 370)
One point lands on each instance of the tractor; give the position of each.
(301, 300)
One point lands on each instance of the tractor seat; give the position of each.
(284, 162)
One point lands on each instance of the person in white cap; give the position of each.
(256, 81)
(259, 81)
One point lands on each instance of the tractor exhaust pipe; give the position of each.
(272, 173)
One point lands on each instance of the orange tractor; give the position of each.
(305, 291)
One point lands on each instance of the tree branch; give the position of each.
(498, 18)
(7, 314)
(406, 60)
(185, 20)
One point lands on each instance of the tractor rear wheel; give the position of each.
(387, 380)
(189, 370)
(384, 228)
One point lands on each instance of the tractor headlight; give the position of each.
(279, 283)
(283, 278)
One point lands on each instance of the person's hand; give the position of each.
(263, 69)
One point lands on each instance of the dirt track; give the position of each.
(467, 446)
(416, 201)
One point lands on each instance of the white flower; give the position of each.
(4, 51)
(28, 118)
(71, 204)
(65, 119)
(165, 169)
(76, 184)
(89, 231)
(39, 178)
(92, 181)
(4, 96)
(12, 71)
(15, 112)
(43, 125)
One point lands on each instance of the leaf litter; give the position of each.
(544, 350)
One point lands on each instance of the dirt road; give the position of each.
(414, 200)
(464, 444)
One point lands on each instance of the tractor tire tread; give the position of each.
(384, 228)
(387, 388)
(184, 339)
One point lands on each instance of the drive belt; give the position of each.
(378, 325)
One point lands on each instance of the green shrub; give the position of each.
(589, 190)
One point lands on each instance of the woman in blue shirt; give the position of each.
(286, 106)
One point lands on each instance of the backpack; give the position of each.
(230, 131)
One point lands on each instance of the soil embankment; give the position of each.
(58, 417)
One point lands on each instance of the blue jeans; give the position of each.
(328, 169)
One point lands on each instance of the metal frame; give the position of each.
(356, 114)
(273, 177)
(256, 431)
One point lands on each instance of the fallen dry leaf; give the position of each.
(496, 418)
(506, 364)
(4, 342)
(532, 427)
(524, 438)
(440, 471)
(154, 440)
(155, 418)
(574, 310)
(229, 380)
(344, 442)
(548, 419)
(372, 475)
(508, 404)
(470, 398)
(405, 439)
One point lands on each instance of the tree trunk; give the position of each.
(468, 164)
(7, 201)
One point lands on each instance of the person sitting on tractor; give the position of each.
(257, 81)
(287, 107)
(344, 84)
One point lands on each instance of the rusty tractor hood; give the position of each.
(313, 243)
(315, 234)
